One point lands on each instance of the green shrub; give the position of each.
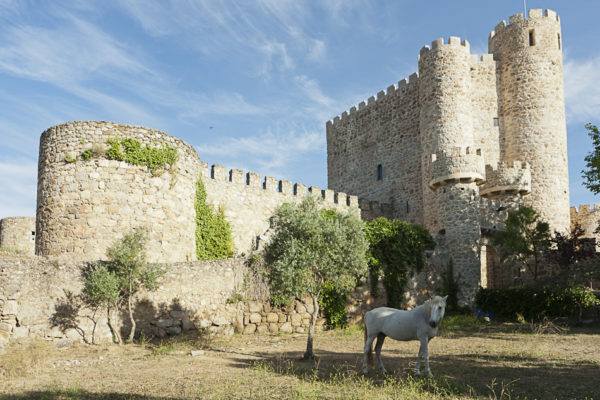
(333, 302)
(396, 249)
(535, 302)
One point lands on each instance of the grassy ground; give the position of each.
(469, 359)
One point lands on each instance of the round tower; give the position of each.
(451, 167)
(532, 108)
(86, 201)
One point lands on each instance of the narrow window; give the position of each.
(379, 172)
(559, 41)
(531, 38)
(495, 121)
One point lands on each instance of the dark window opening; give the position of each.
(532, 38)
(379, 172)
(495, 121)
(32, 233)
(559, 41)
(442, 232)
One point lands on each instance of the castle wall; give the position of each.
(588, 218)
(530, 74)
(248, 201)
(84, 206)
(18, 233)
(383, 131)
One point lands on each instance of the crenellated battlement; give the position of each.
(219, 173)
(534, 14)
(398, 89)
(483, 59)
(506, 180)
(453, 41)
(458, 164)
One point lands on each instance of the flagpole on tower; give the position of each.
(525, 8)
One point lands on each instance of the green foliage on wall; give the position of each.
(396, 248)
(213, 233)
(86, 155)
(157, 159)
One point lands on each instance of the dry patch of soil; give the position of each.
(493, 362)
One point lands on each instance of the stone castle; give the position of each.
(464, 139)
(453, 147)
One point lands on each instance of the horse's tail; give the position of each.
(370, 352)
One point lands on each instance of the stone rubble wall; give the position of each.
(248, 202)
(38, 298)
(533, 108)
(588, 218)
(18, 233)
(84, 206)
(380, 131)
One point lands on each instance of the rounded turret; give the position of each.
(86, 200)
(451, 171)
(532, 108)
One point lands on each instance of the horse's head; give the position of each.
(437, 307)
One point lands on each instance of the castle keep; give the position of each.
(463, 139)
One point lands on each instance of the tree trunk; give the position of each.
(311, 329)
(131, 319)
(115, 332)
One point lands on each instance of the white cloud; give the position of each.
(582, 89)
(18, 180)
(271, 152)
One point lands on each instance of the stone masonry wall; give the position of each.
(382, 131)
(38, 298)
(588, 218)
(83, 206)
(18, 233)
(248, 202)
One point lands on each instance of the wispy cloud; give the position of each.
(582, 89)
(18, 180)
(270, 152)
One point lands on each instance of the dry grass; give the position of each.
(469, 359)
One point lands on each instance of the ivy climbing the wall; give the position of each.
(213, 233)
(396, 249)
(157, 159)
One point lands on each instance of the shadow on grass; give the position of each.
(79, 395)
(495, 376)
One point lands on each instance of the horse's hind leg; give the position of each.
(378, 346)
(368, 350)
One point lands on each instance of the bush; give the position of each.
(535, 303)
(333, 302)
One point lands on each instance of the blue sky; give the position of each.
(250, 84)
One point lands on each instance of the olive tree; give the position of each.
(113, 283)
(310, 247)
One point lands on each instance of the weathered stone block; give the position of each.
(255, 306)
(272, 317)
(255, 318)
(249, 329)
(274, 328)
(296, 319)
(286, 327)
(262, 329)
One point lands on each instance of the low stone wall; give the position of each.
(40, 298)
(18, 233)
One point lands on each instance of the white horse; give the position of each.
(420, 323)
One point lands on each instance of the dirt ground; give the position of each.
(490, 362)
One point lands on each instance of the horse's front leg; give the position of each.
(424, 352)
